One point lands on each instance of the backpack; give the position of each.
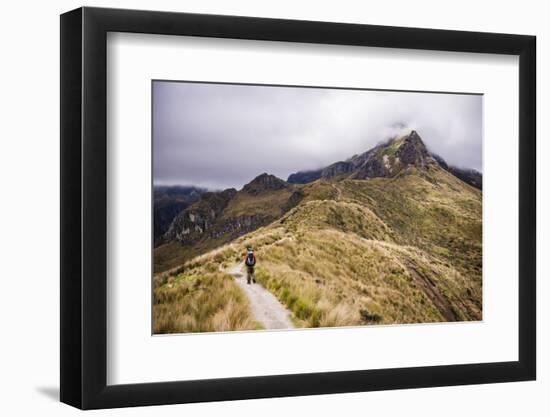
(250, 259)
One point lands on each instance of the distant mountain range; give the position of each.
(392, 235)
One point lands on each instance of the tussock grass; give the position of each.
(200, 300)
(269, 205)
(353, 252)
(342, 279)
(430, 209)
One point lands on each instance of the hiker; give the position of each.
(250, 261)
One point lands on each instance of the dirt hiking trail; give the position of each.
(266, 308)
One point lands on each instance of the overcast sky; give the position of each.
(222, 135)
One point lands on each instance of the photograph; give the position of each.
(293, 207)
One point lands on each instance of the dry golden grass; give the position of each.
(430, 209)
(199, 300)
(405, 250)
(267, 205)
(330, 278)
(354, 252)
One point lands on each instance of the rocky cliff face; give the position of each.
(191, 224)
(412, 151)
(168, 202)
(390, 158)
(228, 214)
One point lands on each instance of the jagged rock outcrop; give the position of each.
(168, 202)
(191, 224)
(392, 157)
(412, 151)
(387, 160)
(371, 169)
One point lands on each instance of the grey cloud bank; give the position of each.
(223, 135)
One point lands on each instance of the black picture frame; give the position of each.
(84, 207)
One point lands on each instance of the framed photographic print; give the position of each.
(257, 207)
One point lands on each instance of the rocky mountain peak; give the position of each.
(387, 159)
(414, 137)
(391, 157)
(264, 182)
(411, 150)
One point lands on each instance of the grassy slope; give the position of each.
(429, 209)
(199, 299)
(267, 204)
(399, 250)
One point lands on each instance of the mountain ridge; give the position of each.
(385, 160)
(400, 249)
(219, 217)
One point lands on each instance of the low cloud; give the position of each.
(222, 135)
